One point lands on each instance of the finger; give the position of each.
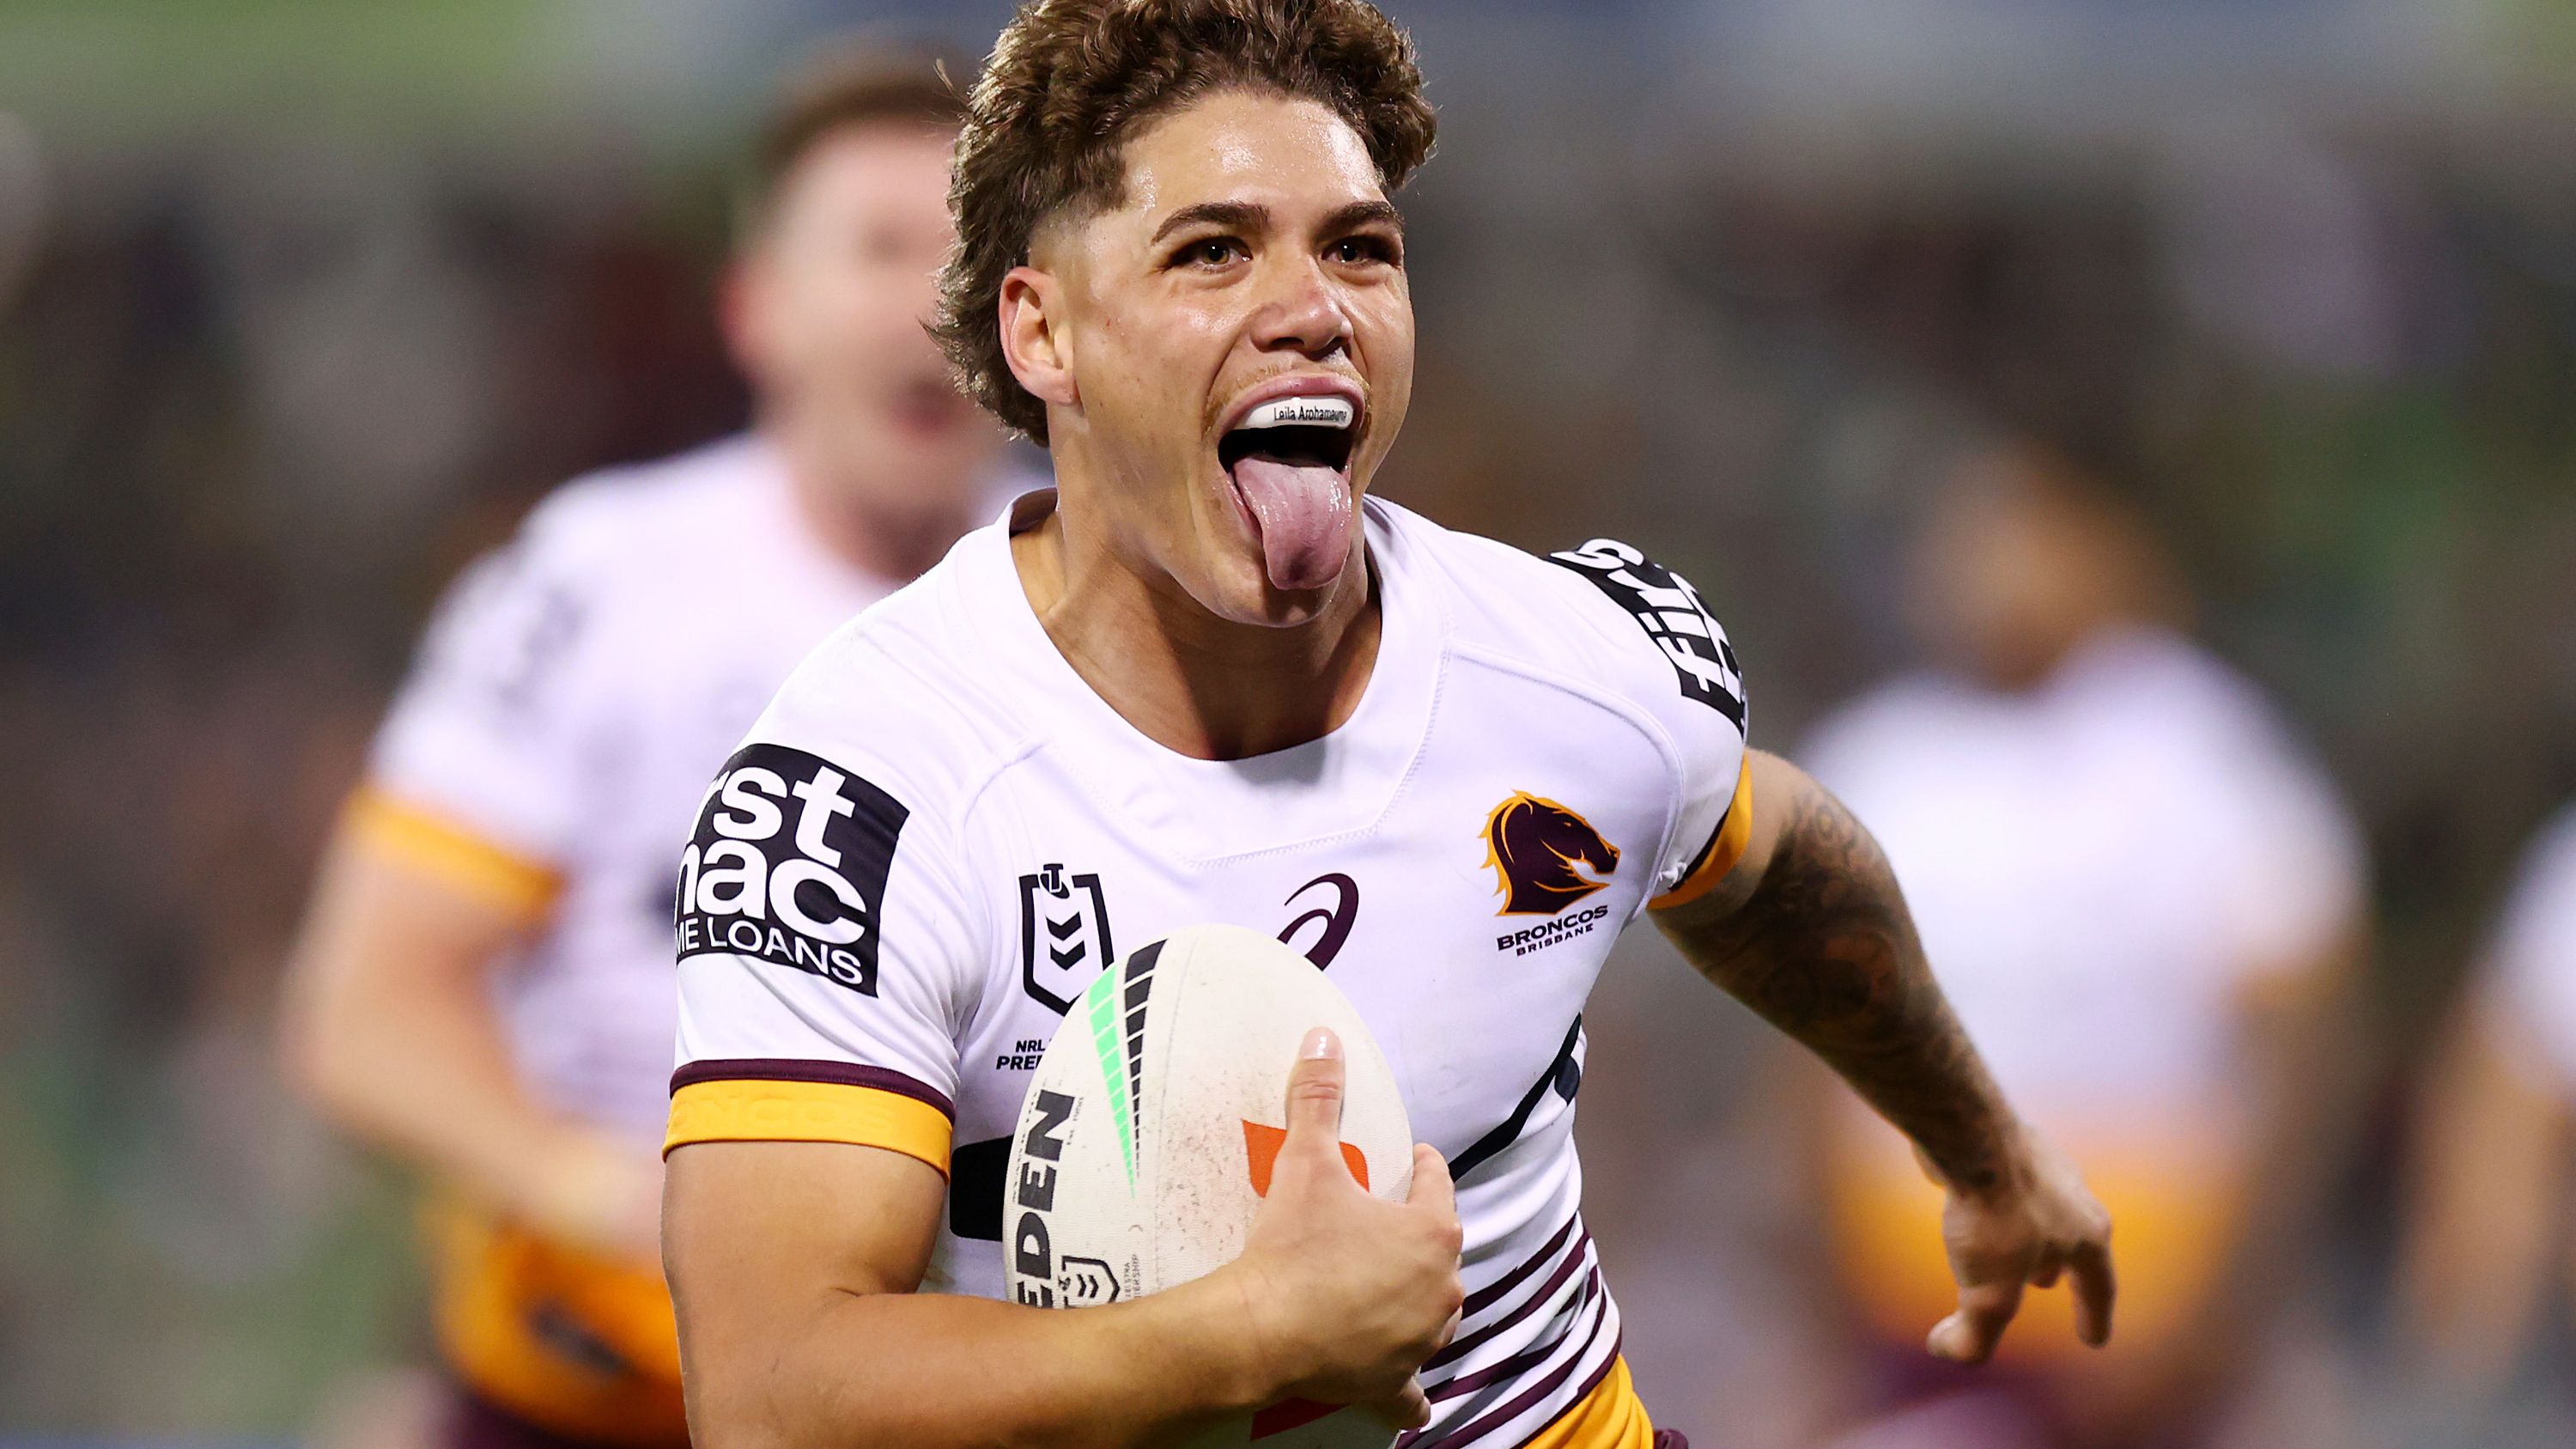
(1432, 1188)
(2044, 1274)
(1449, 1331)
(2095, 1287)
(1407, 1410)
(1315, 1096)
(1970, 1335)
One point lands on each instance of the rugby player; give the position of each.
(2173, 1020)
(1207, 678)
(482, 985)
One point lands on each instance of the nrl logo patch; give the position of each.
(1064, 935)
(1544, 857)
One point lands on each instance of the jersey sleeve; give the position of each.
(475, 772)
(2530, 991)
(2294, 865)
(1676, 662)
(828, 942)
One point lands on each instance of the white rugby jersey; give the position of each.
(555, 735)
(2107, 870)
(2100, 867)
(938, 835)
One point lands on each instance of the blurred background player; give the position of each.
(483, 983)
(2488, 1244)
(2144, 899)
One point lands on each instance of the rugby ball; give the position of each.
(1151, 1125)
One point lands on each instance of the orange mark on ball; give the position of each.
(1261, 1147)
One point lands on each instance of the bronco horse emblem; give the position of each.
(1544, 856)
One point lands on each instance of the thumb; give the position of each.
(1315, 1096)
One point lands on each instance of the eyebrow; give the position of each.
(1364, 213)
(1233, 215)
(1250, 216)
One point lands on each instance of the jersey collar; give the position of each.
(1205, 810)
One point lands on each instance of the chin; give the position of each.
(1261, 602)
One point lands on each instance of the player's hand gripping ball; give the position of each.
(1153, 1128)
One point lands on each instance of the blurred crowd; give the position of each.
(2207, 491)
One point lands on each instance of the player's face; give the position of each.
(829, 303)
(1252, 274)
(2005, 581)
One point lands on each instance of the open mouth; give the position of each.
(1290, 460)
(1296, 432)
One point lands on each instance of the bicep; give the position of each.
(2485, 1186)
(2487, 1106)
(383, 927)
(761, 1237)
(1775, 792)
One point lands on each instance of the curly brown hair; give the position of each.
(1070, 79)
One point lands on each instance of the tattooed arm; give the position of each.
(1810, 931)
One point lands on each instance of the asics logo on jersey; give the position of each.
(1666, 606)
(789, 864)
(1337, 918)
(1544, 856)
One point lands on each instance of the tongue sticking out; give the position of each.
(1303, 513)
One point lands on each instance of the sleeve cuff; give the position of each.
(767, 1100)
(1725, 847)
(454, 853)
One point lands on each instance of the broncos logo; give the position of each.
(1540, 853)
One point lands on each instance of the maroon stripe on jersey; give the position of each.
(1521, 1403)
(1524, 1361)
(1467, 1343)
(797, 1069)
(1484, 1298)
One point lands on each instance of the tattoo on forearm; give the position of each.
(1825, 951)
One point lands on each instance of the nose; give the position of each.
(1303, 313)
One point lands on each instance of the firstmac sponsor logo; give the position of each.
(788, 864)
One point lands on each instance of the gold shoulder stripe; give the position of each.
(451, 851)
(1724, 850)
(773, 1111)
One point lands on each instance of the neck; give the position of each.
(2042, 657)
(1195, 683)
(876, 529)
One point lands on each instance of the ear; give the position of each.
(1034, 341)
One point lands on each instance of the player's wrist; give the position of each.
(583, 1187)
(1218, 1328)
(1996, 1170)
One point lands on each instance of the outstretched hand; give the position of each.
(2043, 1224)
